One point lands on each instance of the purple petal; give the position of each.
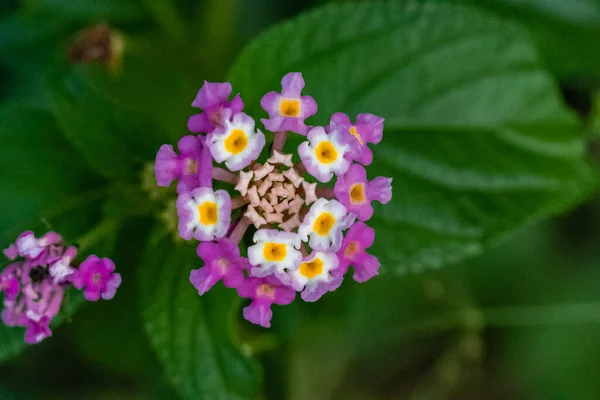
(11, 252)
(212, 94)
(203, 279)
(167, 165)
(292, 84)
(199, 123)
(316, 293)
(259, 313)
(375, 132)
(270, 103)
(309, 106)
(366, 268)
(284, 295)
(111, 287)
(380, 189)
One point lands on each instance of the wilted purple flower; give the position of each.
(356, 193)
(288, 110)
(367, 129)
(61, 269)
(98, 278)
(353, 252)
(193, 167)
(213, 100)
(264, 292)
(222, 261)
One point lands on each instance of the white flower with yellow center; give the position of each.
(323, 154)
(236, 142)
(204, 214)
(324, 224)
(313, 277)
(274, 252)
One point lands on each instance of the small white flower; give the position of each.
(204, 214)
(314, 270)
(324, 224)
(275, 252)
(323, 154)
(236, 143)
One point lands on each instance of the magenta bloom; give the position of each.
(222, 260)
(288, 109)
(213, 99)
(264, 292)
(98, 278)
(9, 282)
(193, 167)
(356, 193)
(353, 252)
(367, 129)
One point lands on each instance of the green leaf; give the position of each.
(191, 334)
(43, 177)
(477, 138)
(564, 32)
(109, 137)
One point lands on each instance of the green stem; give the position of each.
(98, 233)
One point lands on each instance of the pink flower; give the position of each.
(288, 109)
(264, 292)
(367, 129)
(353, 252)
(97, 276)
(356, 193)
(193, 167)
(213, 99)
(222, 261)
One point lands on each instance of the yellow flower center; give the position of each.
(354, 133)
(357, 193)
(311, 269)
(274, 251)
(351, 250)
(323, 223)
(326, 153)
(236, 142)
(208, 213)
(266, 290)
(290, 107)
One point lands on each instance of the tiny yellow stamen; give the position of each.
(290, 107)
(324, 223)
(266, 290)
(208, 213)
(357, 193)
(274, 251)
(236, 142)
(351, 250)
(354, 133)
(311, 269)
(326, 153)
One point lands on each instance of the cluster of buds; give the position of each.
(40, 271)
(297, 227)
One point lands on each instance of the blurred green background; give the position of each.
(490, 280)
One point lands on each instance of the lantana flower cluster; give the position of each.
(40, 272)
(305, 234)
